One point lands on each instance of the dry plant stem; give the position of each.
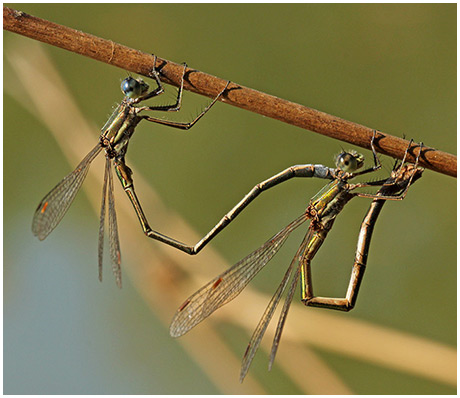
(201, 83)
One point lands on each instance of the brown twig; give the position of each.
(201, 83)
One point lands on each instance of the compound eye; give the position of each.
(346, 162)
(132, 88)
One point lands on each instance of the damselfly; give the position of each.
(114, 139)
(322, 211)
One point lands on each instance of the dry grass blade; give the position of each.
(308, 370)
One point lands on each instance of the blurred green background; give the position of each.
(389, 67)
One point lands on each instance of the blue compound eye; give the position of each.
(134, 88)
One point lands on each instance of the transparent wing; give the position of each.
(270, 310)
(229, 284)
(115, 255)
(56, 203)
(283, 316)
(102, 218)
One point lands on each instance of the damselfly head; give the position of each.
(349, 161)
(134, 88)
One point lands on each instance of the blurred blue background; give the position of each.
(389, 67)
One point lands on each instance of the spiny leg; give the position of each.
(179, 125)
(155, 76)
(157, 91)
(377, 165)
(171, 107)
(400, 175)
(398, 178)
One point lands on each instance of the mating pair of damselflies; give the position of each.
(322, 211)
